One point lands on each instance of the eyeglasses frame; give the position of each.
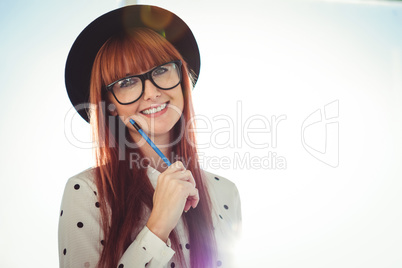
(143, 77)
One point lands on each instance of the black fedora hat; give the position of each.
(86, 46)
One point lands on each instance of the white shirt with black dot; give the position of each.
(81, 236)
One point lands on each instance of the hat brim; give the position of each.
(85, 48)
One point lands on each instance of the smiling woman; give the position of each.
(142, 67)
(140, 96)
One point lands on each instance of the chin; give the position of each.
(158, 131)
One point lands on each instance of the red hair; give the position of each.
(126, 189)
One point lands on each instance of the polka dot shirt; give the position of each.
(81, 238)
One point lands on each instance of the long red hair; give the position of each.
(124, 190)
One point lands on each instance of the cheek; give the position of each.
(121, 110)
(111, 107)
(182, 105)
(180, 99)
(111, 104)
(127, 110)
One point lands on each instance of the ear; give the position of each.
(112, 109)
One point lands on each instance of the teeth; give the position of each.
(155, 110)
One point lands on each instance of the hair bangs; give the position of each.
(134, 52)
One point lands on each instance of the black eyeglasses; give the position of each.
(130, 89)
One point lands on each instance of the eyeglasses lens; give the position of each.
(129, 89)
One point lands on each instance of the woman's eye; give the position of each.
(128, 82)
(160, 71)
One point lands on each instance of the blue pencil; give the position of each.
(156, 149)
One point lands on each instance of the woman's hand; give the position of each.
(175, 192)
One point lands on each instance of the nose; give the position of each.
(151, 92)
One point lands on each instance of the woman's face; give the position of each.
(157, 111)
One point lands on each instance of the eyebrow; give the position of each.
(130, 74)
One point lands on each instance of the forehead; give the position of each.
(127, 55)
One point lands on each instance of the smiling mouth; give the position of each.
(155, 109)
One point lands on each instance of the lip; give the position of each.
(154, 106)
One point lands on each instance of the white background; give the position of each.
(259, 59)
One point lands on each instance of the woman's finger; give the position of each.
(184, 175)
(176, 166)
(192, 199)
